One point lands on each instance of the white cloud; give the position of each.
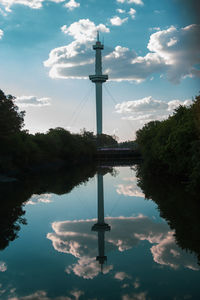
(43, 198)
(1, 34)
(3, 266)
(84, 30)
(34, 4)
(137, 2)
(154, 28)
(173, 51)
(28, 101)
(72, 4)
(148, 109)
(180, 50)
(117, 21)
(120, 11)
(132, 13)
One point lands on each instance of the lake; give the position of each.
(54, 247)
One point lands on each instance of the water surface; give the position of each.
(57, 255)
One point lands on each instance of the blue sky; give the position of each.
(152, 57)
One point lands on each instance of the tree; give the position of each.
(11, 120)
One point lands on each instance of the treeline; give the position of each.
(21, 151)
(177, 205)
(172, 146)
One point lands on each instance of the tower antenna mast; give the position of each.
(98, 79)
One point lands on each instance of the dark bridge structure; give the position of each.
(123, 155)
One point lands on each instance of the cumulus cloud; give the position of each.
(72, 4)
(43, 198)
(34, 4)
(137, 2)
(180, 50)
(148, 109)
(132, 13)
(84, 30)
(3, 266)
(173, 51)
(28, 101)
(117, 21)
(1, 34)
(120, 11)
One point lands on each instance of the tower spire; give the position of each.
(98, 79)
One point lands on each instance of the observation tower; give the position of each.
(98, 79)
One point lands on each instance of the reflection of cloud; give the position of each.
(87, 268)
(42, 295)
(168, 253)
(121, 276)
(3, 266)
(134, 296)
(43, 198)
(76, 238)
(131, 190)
(136, 283)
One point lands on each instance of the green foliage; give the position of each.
(11, 120)
(173, 145)
(105, 140)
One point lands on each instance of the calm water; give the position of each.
(54, 256)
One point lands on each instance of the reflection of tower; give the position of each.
(101, 226)
(98, 79)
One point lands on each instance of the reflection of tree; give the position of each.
(14, 195)
(180, 208)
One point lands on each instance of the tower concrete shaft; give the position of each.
(100, 226)
(98, 79)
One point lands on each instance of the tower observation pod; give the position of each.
(98, 79)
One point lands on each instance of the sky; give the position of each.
(151, 55)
